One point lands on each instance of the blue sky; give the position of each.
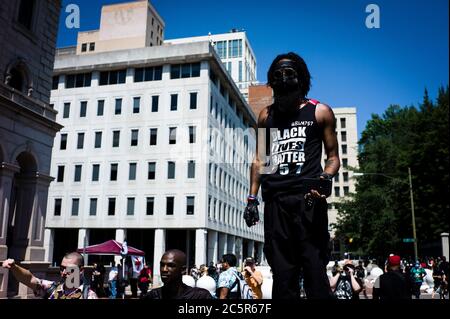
(351, 65)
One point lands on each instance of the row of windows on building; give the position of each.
(223, 213)
(134, 138)
(130, 209)
(132, 171)
(221, 179)
(229, 49)
(118, 105)
(177, 71)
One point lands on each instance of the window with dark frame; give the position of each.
(116, 139)
(100, 107)
(60, 174)
(134, 137)
(58, 204)
(83, 108)
(130, 206)
(84, 47)
(172, 135)
(170, 205)
(150, 206)
(75, 206)
(113, 174)
(95, 172)
(190, 205)
(55, 82)
(171, 170)
(132, 172)
(63, 143)
(153, 136)
(118, 107)
(66, 111)
(25, 14)
(80, 141)
(98, 140)
(193, 100)
(93, 207)
(155, 102)
(111, 206)
(173, 102)
(77, 175)
(151, 170)
(191, 169)
(136, 104)
(192, 134)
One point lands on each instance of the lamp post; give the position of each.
(411, 195)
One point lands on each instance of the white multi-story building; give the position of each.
(236, 54)
(344, 183)
(143, 154)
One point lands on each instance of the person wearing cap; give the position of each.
(253, 277)
(393, 284)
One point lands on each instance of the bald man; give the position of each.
(53, 289)
(172, 267)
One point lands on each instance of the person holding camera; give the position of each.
(345, 283)
(295, 214)
(62, 289)
(253, 277)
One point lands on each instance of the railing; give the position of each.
(32, 104)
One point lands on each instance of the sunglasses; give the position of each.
(63, 268)
(286, 72)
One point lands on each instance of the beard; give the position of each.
(287, 103)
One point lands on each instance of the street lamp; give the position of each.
(411, 197)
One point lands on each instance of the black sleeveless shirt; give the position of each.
(294, 150)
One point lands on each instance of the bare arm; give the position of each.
(223, 292)
(326, 119)
(21, 274)
(256, 165)
(356, 287)
(334, 280)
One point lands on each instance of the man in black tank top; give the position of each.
(295, 219)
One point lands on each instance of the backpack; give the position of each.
(244, 290)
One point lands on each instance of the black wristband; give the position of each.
(327, 176)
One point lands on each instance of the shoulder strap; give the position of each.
(313, 102)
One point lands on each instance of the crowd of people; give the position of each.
(398, 279)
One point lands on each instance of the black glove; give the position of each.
(251, 214)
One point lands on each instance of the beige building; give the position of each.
(127, 25)
(27, 130)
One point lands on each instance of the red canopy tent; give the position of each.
(110, 247)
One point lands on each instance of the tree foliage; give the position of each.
(378, 216)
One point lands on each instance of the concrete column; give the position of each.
(259, 250)
(36, 250)
(213, 246)
(159, 249)
(223, 242)
(251, 249)
(231, 248)
(83, 238)
(121, 234)
(7, 172)
(49, 241)
(445, 252)
(200, 246)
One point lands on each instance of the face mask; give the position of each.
(286, 87)
(285, 79)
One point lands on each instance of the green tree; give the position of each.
(378, 215)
